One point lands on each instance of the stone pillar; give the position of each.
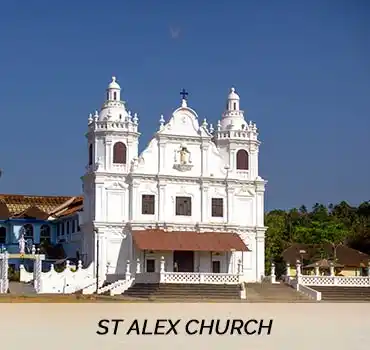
(4, 272)
(162, 264)
(37, 270)
(332, 272)
(162, 270)
(317, 270)
(298, 269)
(128, 270)
(273, 276)
(240, 266)
(298, 273)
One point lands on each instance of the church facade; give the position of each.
(192, 202)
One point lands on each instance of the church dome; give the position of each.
(233, 95)
(114, 84)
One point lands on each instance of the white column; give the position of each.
(128, 270)
(138, 265)
(161, 202)
(162, 270)
(332, 272)
(273, 276)
(298, 269)
(230, 203)
(135, 200)
(317, 270)
(298, 274)
(162, 156)
(260, 254)
(205, 203)
(108, 154)
(204, 150)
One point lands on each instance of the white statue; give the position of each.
(184, 155)
(22, 244)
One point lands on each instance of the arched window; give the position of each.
(90, 155)
(114, 95)
(45, 234)
(27, 232)
(242, 160)
(2, 235)
(119, 153)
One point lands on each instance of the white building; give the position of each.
(193, 196)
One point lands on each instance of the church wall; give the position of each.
(118, 252)
(243, 210)
(179, 190)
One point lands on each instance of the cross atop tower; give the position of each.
(184, 94)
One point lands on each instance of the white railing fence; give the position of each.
(302, 282)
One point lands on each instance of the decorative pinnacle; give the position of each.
(161, 120)
(113, 79)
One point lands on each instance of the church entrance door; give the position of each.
(183, 261)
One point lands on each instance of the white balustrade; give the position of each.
(199, 277)
(344, 281)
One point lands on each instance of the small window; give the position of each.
(217, 207)
(183, 206)
(2, 235)
(234, 106)
(150, 265)
(90, 154)
(147, 204)
(62, 228)
(45, 234)
(78, 225)
(242, 160)
(216, 266)
(115, 96)
(28, 232)
(58, 230)
(119, 153)
(67, 227)
(73, 226)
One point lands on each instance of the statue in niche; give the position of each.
(184, 153)
(182, 159)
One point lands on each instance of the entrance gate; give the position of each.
(4, 269)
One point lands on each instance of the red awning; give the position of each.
(185, 240)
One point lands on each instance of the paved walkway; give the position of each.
(18, 288)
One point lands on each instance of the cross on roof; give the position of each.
(184, 94)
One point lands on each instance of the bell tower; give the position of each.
(112, 141)
(237, 140)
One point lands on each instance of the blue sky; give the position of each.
(302, 69)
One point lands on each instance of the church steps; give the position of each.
(335, 293)
(183, 291)
(273, 292)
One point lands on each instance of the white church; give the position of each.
(191, 205)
